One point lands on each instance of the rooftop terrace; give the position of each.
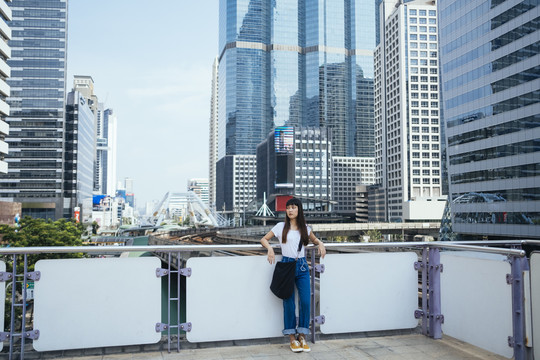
(403, 300)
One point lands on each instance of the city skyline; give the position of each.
(150, 100)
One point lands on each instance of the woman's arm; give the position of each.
(321, 249)
(266, 244)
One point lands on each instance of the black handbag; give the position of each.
(283, 279)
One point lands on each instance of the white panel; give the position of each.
(476, 301)
(229, 298)
(368, 292)
(535, 302)
(85, 303)
(3, 303)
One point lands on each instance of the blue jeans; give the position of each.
(303, 284)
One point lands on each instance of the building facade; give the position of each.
(37, 104)
(280, 64)
(105, 167)
(199, 187)
(5, 72)
(78, 156)
(236, 184)
(296, 161)
(213, 138)
(407, 108)
(347, 174)
(490, 63)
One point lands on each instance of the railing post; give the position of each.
(312, 307)
(424, 291)
(517, 341)
(434, 277)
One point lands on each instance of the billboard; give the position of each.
(284, 139)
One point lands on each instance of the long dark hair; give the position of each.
(300, 221)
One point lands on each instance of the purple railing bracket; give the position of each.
(434, 279)
(5, 276)
(4, 336)
(161, 272)
(35, 275)
(320, 319)
(319, 268)
(32, 334)
(418, 265)
(185, 327)
(418, 314)
(161, 327)
(185, 272)
(517, 340)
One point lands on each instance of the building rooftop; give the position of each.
(408, 346)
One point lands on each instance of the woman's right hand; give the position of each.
(271, 256)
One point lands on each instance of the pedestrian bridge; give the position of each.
(484, 294)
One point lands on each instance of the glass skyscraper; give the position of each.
(38, 63)
(296, 62)
(5, 53)
(490, 68)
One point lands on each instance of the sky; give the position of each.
(151, 62)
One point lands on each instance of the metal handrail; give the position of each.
(169, 248)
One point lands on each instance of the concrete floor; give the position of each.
(409, 346)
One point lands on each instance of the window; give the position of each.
(416, 172)
(432, 13)
(413, 29)
(435, 164)
(415, 121)
(422, 28)
(425, 163)
(416, 163)
(412, 12)
(426, 172)
(432, 37)
(425, 129)
(422, 12)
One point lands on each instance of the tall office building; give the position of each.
(38, 72)
(407, 112)
(5, 72)
(296, 161)
(289, 62)
(79, 145)
(213, 138)
(105, 166)
(490, 63)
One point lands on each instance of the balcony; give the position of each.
(371, 300)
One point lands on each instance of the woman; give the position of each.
(289, 234)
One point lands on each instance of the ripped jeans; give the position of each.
(303, 284)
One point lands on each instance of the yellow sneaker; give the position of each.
(304, 344)
(295, 346)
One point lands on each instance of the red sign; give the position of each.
(281, 202)
(77, 214)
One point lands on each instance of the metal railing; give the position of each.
(428, 264)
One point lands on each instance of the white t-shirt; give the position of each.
(290, 248)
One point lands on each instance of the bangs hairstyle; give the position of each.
(300, 222)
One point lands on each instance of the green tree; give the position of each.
(42, 233)
(374, 235)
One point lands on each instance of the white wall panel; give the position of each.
(368, 292)
(85, 303)
(229, 298)
(476, 301)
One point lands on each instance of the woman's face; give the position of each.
(292, 211)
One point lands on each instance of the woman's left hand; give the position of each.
(321, 249)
